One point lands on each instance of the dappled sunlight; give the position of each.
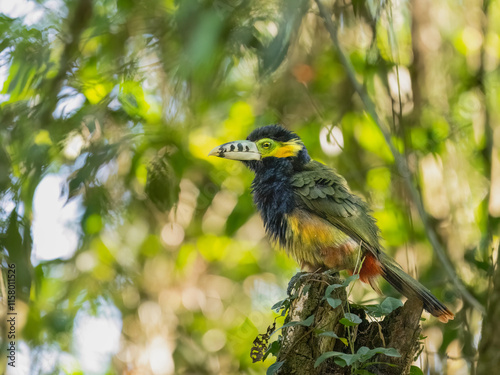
(332, 140)
(55, 231)
(96, 337)
(435, 198)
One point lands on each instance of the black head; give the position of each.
(278, 146)
(275, 132)
(268, 147)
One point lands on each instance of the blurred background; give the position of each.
(137, 254)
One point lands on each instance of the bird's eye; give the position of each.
(266, 144)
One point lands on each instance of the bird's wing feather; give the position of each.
(322, 192)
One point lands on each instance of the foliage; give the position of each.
(358, 361)
(386, 307)
(362, 355)
(114, 105)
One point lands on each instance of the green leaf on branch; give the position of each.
(386, 307)
(329, 334)
(273, 369)
(414, 370)
(350, 320)
(350, 279)
(345, 284)
(273, 349)
(331, 288)
(334, 302)
(279, 305)
(306, 323)
(363, 354)
(323, 357)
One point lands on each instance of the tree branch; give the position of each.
(489, 355)
(301, 345)
(400, 161)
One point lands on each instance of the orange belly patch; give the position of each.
(370, 269)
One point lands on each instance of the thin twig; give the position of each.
(400, 162)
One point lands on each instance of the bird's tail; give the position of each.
(409, 287)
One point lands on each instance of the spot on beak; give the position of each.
(237, 150)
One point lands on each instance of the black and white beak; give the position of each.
(237, 150)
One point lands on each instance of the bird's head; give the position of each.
(266, 145)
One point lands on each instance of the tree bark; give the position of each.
(302, 345)
(489, 353)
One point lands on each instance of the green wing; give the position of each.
(324, 193)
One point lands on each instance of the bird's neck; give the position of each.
(273, 196)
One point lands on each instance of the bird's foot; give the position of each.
(295, 282)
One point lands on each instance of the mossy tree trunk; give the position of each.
(489, 353)
(302, 345)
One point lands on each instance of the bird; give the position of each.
(309, 211)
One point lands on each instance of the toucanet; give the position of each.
(308, 210)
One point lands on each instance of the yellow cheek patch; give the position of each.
(286, 150)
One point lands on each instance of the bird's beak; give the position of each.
(237, 150)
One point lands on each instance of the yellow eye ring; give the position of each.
(266, 144)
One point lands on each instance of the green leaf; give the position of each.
(307, 322)
(365, 354)
(350, 320)
(273, 349)
(350, 279)
(335, 336)
(363, 350)
(349, 359)
(390, 304)
(273, 369)
(278, 305)
(390, 352)
(329, 334)
(344, 341)
(323, 357)
(386, 307)
(414, 370)
(341, 362)
(331, 288)
(334, 302)
(346, 282)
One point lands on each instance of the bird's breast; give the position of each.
(317, 244)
